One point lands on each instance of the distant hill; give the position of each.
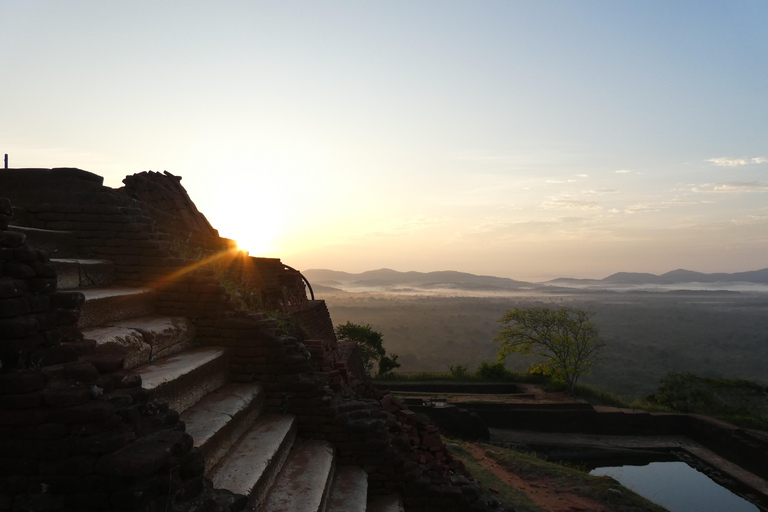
(680, 276)
(388, 278)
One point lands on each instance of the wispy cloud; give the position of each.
(736, 162)
(534, 226)
(645, 207)
(656, 206)
(406, 226)
(570, 203)
(567, 180)
(599, 192)
(733, 186)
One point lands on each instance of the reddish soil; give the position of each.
(544, 492)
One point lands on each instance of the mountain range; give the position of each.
(449, 279)
(388, 278)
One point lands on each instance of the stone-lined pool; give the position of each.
(677, 487)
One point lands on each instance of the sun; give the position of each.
(257, 239)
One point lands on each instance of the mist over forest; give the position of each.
(707, 332)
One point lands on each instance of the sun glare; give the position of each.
(256, 240)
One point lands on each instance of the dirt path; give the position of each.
(545, 493)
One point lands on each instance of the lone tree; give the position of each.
(566, 337)
(371, 346)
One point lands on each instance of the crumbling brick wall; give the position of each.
(77, 432)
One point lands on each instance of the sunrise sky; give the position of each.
(520, 139)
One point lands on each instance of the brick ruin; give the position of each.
(79, 431)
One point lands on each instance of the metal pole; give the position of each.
(6, 160)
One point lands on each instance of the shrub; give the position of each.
(460, 371)
(492, 371)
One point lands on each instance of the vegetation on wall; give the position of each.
(736, 400)
(371, 345)
(243, 294)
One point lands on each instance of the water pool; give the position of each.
(677, 487)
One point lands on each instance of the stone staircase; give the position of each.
(246, 450)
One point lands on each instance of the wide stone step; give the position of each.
(183, 379)
(349, 491)
(58, 244)
(305, 480)
(104, 306)
(251, 465)
(386, 503)
(220, 419)
(143, 339)
(79, 273)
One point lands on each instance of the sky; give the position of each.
(523, 139)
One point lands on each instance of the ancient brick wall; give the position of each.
(315, 321)
(77, 432)
(351, 360)
(163, 198)
(106, 224)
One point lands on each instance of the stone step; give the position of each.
(386, 503)
(349, 491)
(305, 480)
(79, 273)
(143, 339)
(183, 379)
(250, 467)
(114, 303)
(58, 244)
(221, 418)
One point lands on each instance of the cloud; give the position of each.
(733, 186)
(737, 162)
(567, 180)
(406, 226)
(624, 171)
(599, 192)
(662, 205)
(645, 207)
(570, 203)
(533, 226)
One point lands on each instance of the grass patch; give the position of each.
(511, 496)
(567, 479)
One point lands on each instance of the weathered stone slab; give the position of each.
(386, 503)
(55, 243)
(76, 273)
(104, 306)
(183, 379)
(251, 465)
(349, 491)
(67, 274)
(162, 333)
(221, 418)
(305, 480)
(121, 340)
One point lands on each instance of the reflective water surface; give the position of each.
(678, 487)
